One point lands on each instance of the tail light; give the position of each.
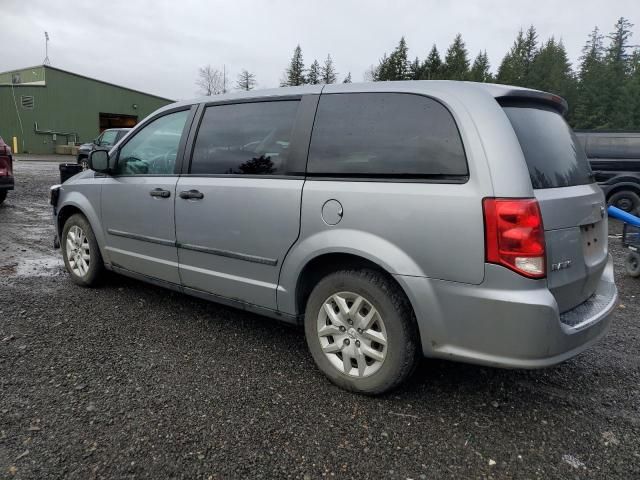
(514, 235)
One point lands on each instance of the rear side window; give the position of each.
(385, 135)
(554, 156)
(245, 139)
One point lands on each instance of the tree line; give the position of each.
(603, 90)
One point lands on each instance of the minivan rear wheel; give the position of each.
(361, 331)
(80, 251)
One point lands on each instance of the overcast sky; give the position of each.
(157, 46)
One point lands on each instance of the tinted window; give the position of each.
(245, 139)
(153, 150)
(602, 146)
(554, 156)
(385, 134)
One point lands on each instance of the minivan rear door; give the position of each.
(572, 205)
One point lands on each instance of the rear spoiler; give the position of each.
(520, 96)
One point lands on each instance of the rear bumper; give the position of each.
(507, 321)
(7, 183)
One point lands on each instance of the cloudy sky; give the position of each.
(158, 45)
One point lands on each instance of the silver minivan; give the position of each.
(394, 220)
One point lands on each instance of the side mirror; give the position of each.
(99, 161)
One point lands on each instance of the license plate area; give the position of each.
(593, 242)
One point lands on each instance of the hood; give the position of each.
(85, 147)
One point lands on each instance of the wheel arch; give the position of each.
(71, 206)
(633, 186)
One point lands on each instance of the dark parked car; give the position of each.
(105, 141)
(6, 170)
(615, 161)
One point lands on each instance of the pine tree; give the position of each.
(514, 68)
(456, 61)
(347, 79)
(480, 70)
(294, 74)
(328, 73)
(246, 81)
(314, 74)
(592, 94)
(618, 68)
(432, 66)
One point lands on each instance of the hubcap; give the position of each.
(352, 334)
(78, 253)
(625, 204)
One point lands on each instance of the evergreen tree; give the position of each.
(592, 92)
(480, 69)
(347, 79)
(551, 71)
(618, 68)
(328, 73)
(294, 74)
(514, 68)
(415, 69)
(456, 61)
(432, 66)
(396, 66)
(633, 91)
(314, 74)
(246, 81)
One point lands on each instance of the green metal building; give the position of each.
(43, 107)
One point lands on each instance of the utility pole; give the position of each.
(46, 49)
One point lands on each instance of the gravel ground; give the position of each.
(132, 381)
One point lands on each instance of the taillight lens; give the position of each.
(514, 235)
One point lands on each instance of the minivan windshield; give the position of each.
(554, 156)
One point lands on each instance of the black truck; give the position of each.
(615, 161)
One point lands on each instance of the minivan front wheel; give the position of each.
(80, 251)
(361, 331)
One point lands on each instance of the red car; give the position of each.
(6, 170)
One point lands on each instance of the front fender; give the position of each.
(87, 200)
(362, 244)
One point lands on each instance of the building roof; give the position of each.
(67, 72)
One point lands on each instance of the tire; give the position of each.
(84, 161)
(77, 241)
(392, 321)
(632, 264)
(3, 196)
(626, 200)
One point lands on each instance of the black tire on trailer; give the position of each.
(632, 264)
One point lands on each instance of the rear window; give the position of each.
(391, 135)
(554, 156)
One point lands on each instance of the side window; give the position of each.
(245, 138)
(108, 138)
(153, 150)
(393, 135)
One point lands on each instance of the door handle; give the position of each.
(159, 192)
(191, 195)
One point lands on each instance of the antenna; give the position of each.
(46, 49)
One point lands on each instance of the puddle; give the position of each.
(32, 267)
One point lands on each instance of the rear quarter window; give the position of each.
(555, 157)
(391, 135)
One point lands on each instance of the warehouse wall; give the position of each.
(68, 103)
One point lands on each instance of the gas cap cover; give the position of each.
(332, 212)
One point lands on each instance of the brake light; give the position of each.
(514, 235)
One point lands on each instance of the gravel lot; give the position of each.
(133, 381)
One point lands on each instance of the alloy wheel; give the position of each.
(78, 253)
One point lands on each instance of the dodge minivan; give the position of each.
(394, 220)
